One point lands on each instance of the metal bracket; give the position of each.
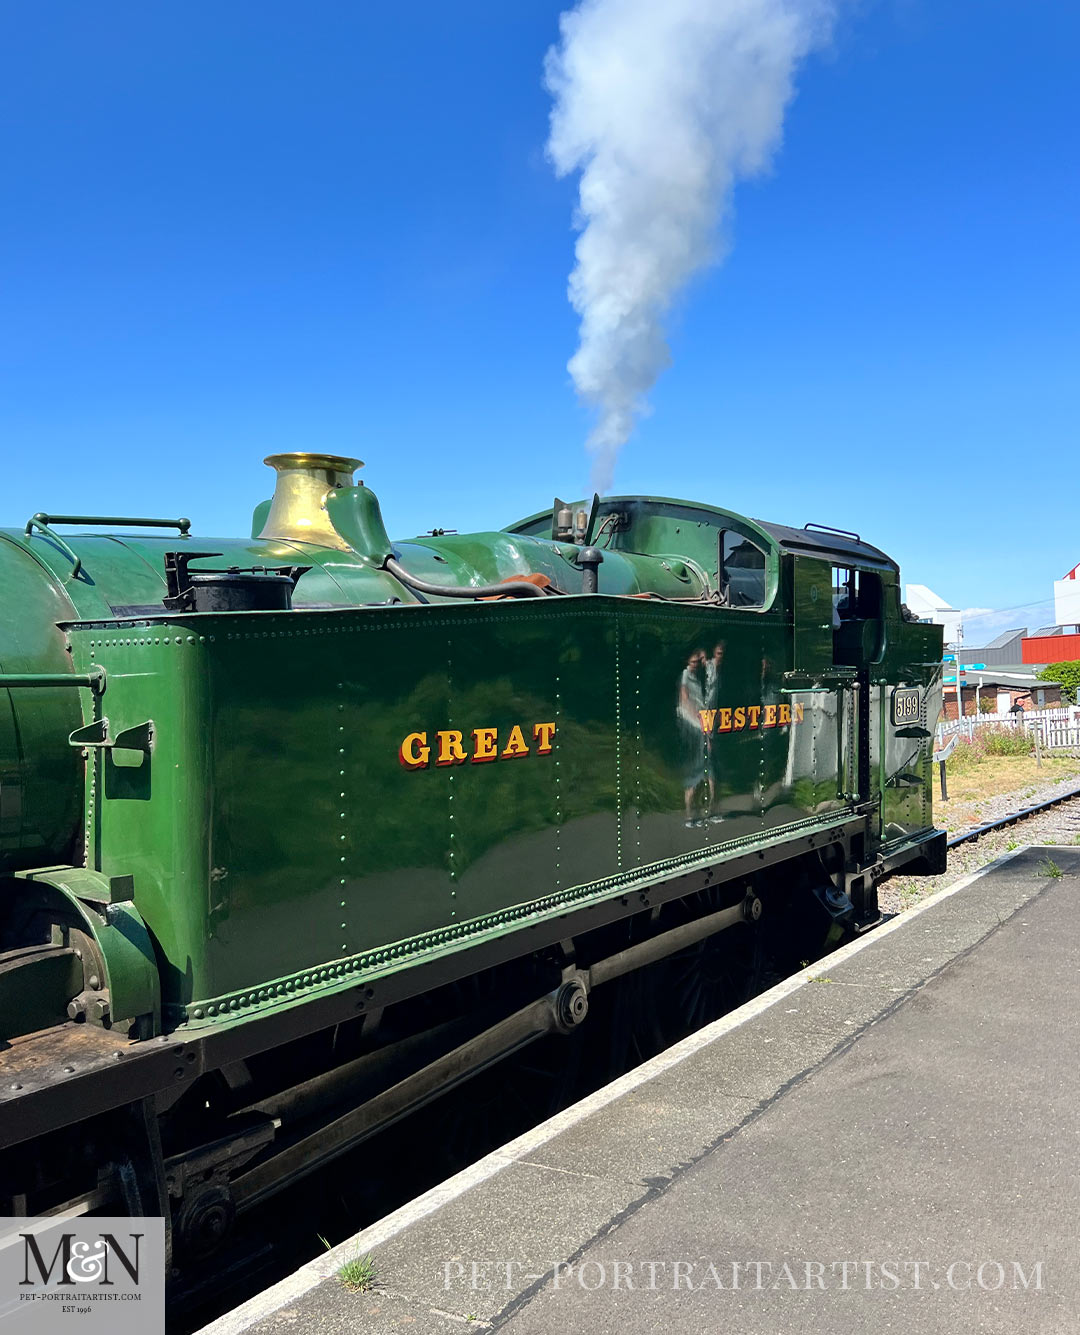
(93, 680)
(836, 678)
(139, 739)
(42, 520)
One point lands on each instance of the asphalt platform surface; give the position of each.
(888, 1141)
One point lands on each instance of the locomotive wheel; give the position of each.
(625, 1026)
(499, 1103)
(637, 1016)
(714, 976)
(204, 1221)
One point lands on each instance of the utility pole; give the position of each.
(959, 683)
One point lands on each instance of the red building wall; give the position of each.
(1050, 648)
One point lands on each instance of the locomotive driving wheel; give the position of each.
(714, 976)
(500, 1101)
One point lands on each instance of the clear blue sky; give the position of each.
(234, 229)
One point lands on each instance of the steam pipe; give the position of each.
(518, 587)
(590, 560)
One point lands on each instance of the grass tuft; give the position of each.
(357, 1275)
(1048, 867)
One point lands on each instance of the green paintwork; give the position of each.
(120, 934)
(276, 844)
(34, 991)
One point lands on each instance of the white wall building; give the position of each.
(1067, 598)
(927, 606)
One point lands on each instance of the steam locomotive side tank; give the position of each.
(268, 804)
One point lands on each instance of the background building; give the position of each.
(1067, 598)
(925, 604)
(1052, 644)
(1003, 652)
(999, 692)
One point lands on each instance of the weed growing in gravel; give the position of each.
(1013, 843)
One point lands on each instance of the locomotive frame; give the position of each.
(547, 757)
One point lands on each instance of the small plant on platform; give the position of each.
(1048, 867)
(358, 1275)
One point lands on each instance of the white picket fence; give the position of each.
(1058, 728)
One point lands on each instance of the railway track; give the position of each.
(1013, 818)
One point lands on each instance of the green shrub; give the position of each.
(966, 755)
(1008, 742)
(1067, 673)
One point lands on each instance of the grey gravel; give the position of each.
(1059, 825)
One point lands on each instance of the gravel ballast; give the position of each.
(1058, 825)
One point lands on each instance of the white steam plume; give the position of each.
(662, 105)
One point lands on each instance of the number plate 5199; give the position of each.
(906, 706)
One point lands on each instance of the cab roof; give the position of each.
(828, 544)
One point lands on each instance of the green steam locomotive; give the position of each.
(299, 830)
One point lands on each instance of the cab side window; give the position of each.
(856, 594)
(741, 574)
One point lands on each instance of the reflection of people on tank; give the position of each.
(774, 741)
(712, 676)
(692, 685)
(712, 751)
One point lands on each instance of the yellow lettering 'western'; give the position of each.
(748, 717)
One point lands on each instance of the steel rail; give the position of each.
(1012, 819)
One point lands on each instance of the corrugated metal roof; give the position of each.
(993, 677)
(1003, 639)
(1069, 628)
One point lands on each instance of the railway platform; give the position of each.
(886, 1141)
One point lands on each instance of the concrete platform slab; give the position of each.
(888, 1141)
